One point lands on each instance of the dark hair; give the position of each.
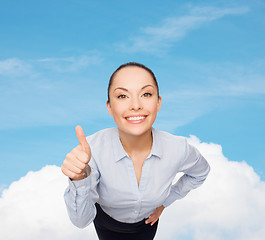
(132, 64)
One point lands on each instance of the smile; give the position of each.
(135, 118)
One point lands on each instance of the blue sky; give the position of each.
(56, 58)
(55, 61)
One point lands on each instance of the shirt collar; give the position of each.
(119, 152)
(156, 147)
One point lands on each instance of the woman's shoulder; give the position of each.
(101, 137)
(166, 136)
(170, 144)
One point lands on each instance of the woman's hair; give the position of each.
(132, 64)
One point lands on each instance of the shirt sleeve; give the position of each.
(195, 169)
(80, 197)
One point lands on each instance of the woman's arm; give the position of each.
(195, 169)
(80, 197)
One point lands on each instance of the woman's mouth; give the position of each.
(136, 119)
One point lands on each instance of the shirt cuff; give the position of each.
(81, 187)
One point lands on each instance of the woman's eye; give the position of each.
(122, 96)
(147, 94)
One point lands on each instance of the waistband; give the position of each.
(104, 221)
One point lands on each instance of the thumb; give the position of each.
(82, 139)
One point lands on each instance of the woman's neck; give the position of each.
(135, 145)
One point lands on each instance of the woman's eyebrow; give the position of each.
(127, 89)
(147, 86)
(121, 89)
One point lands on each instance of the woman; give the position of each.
(121, 178)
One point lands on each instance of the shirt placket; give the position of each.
(138, 190)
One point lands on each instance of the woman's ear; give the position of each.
(109, 108)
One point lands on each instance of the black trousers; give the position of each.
(108, 228)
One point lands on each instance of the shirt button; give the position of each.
(135, 212)
(83, 188)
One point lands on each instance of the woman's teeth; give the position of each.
(135, 118)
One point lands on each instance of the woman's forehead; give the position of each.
(132, 75)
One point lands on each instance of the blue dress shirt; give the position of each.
(113, 184)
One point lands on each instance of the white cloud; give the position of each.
(33, 208)
(230, 205)
(153, 39)
(14, 67)
(2, 187)
(228, 79)
(69, 64)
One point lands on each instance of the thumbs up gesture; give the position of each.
(77, 160)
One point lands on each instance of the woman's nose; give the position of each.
(135, 104)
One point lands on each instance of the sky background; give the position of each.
(56, 58)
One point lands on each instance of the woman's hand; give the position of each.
(76, 162)
(155, 215)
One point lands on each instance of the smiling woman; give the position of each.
(134, 101)
(121, 178)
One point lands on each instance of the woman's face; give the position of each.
(134, 101)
